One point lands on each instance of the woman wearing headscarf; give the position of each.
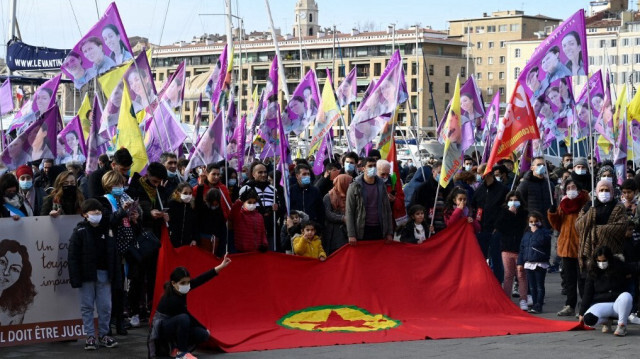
(608, 173)
(335, 231)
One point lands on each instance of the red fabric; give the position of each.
(225, 202)
(440, 289)
(248, 227)
(458, 215)
(398, 209)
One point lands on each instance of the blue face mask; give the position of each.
(438, 177)
(172, 174)
(305, 180)
(371, 171)
(244, 176)
(26, 184)
(233, 182)
(117, 191)
(349, 167)
(540, 170)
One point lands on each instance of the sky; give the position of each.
(52, 23)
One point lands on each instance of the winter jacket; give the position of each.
(248, 226)
(584, 181)
(182, 226)
(308, 200)
(225, 201)
(207, 219)
(407, 232)
(535, 246)
(147, 204)
(487, 200)
(565, 224)
(416, 181)
(85, 253)
(335, 229)
(535, 193)
(511, 227)
(286, 234)
(355, 208)
(324, 185)
(604, 286)
(68, 206)
(308, 248)
(592, 235)
(94, 182)
(456, 215)
(172, 303)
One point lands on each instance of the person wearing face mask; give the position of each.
(170, 162)
(603, 224)
(211, 222)
(607, 173)
(563, 219)
(349, 164)
(606, 292)
(511, 223)
(248, 226)
(534, 188)
(425, 195)
(565, 164)
(32, 196)
(368, 210)
(533, 257)
(324, 183)
(172, 322)
(465, 180)
(211, 178)
(122, 162)
(11, 205)
(305, 197)
(468, 163)
(182, 226)
(231, 181)
(581, 174)
(65, 198)
(393, 186)
(92, 268)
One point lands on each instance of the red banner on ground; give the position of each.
(370, 293)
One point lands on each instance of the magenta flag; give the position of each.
(231, 119)
(38, 141)
(71, 144)
(172, 93)
(383, 99)
(104, 46)
(270, 106)
(594, 92)
(472, 113)
(347, 92)
(95, 146)
(211, 145)
(491, 126)
(107, 122)
(303, 106)
(283, 154)
(318, 166)
(196, 122)
(221, 66)
(236, 145)
(561, 54)
(6, 98)
(45, 97)
(163, 133)
(603, 106)
(620, 151)
(554, 110)
(140, 83)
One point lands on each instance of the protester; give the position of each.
(210, 222)
(414, 231)
(122, 162)
(305, 197)
(92, 267)
(172, 322)
(170, 162)
(211, 179)
(31, 196)
(290, 228)
(535, 188)
(77, 169)
(65, 198)
(247, 223)
(182, 224)
(308, 243)
(324, 183)
(607, 173)
(349, 163)
(231, 181)
(395, 194)
(335, 229)
(456, 209)
(533, 257)
(581, 174)
(425, 195)
(12, 204)
(45, 179)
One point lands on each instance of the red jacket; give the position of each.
(457, 215)
(248, 228)
(226, 205)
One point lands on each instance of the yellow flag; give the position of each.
(453, 145)
(83, 113)
(129, 135)
(633, 109)
(328, 114)
(621, 105)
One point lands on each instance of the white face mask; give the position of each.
(186, 198)
(604, 197)
(603, 265)
(499, 179)
(572, 193)
(580, 171)
(94, 218)
(250, 206)
(184, 289)
(513, 204)
(467, 168)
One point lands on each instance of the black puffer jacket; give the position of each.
(489, 198)
(604, 286)
(89, 249)
(182, 228)
(511, 227)
(535, 193)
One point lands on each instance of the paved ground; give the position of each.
(579, 344)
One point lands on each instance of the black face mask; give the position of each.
(11, 196)
(69, 191)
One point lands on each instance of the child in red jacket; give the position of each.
(248, 224)
(456, 208)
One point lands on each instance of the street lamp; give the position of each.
(392, 27)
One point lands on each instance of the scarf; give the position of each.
(338, 194)
(150, 190)
(569, 206)
(603, 211)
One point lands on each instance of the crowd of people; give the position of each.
(551, 218)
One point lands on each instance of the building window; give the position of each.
(489, 90)
(490, 44)
(603, 43)
(430, 121)
(479, 75)
(623, 77)
(515, 27)
(414, 85)
(479, 44)
(517, 53)
(502, 59)
(613, 59)
(376, 69)
(490, 60)
(516, 73)
(310, 17)
(637, 58)
(430, 104)
(311, 32)
(637, 41)
(478, 60)
(501, 89)
(503, 44)
(491, 28)
(447, 71)
(431, 70)
(614, 42)
(625, 59)
(463, 71)
(625, 42)
(501, 75)
(479, 29)
(414, 68)
(446, 87)
(502, 28)
(489, 75)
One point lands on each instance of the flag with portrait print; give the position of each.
(490, 121)
(591, 98)
(6, 97)
(452, 159)
(71, 143)
(44, 97)
(347, 92)
(302, 108)
(141, 86)
(94, 146)
(210, 148)
(270, 105)
(172, 93)
(472, 113)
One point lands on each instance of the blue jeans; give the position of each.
(98, 292)
(490, 245)
(535, 278)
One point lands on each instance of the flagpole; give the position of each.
(591, 145)
(275, 43)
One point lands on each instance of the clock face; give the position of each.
(303, 14)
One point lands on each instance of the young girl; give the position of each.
(535, 248)
(172, 321)
(308, 244)
(248, 224)
(510, 223)
(414, 231)
(182, 229)
(456, 208)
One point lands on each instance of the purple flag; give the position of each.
(554, 110)
(347, 92)
(561, 54)
(140, 83)
(283, 153)
(236, 144)
(594, 92)
(620, 151)
(94, 146)
(527, 157)
(384, 98)
(270, 106)
(103, 47)
(491, 126)
(216, 95)
(107, 122)
(45, 97)
(172, 93)
(231, 124)
(318, 166)
(196, 122)
(71, 145)
(211, 145)
(603, 106)
(303, 106)
(6, 98)
(472, 112)
(163, 133)
(38, 141)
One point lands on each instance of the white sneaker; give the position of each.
(634, 319)
(523, 305)
(135, 321)
(529, 300)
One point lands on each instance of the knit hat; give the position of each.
(24, 170)
(604, 183)
(580, 162)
